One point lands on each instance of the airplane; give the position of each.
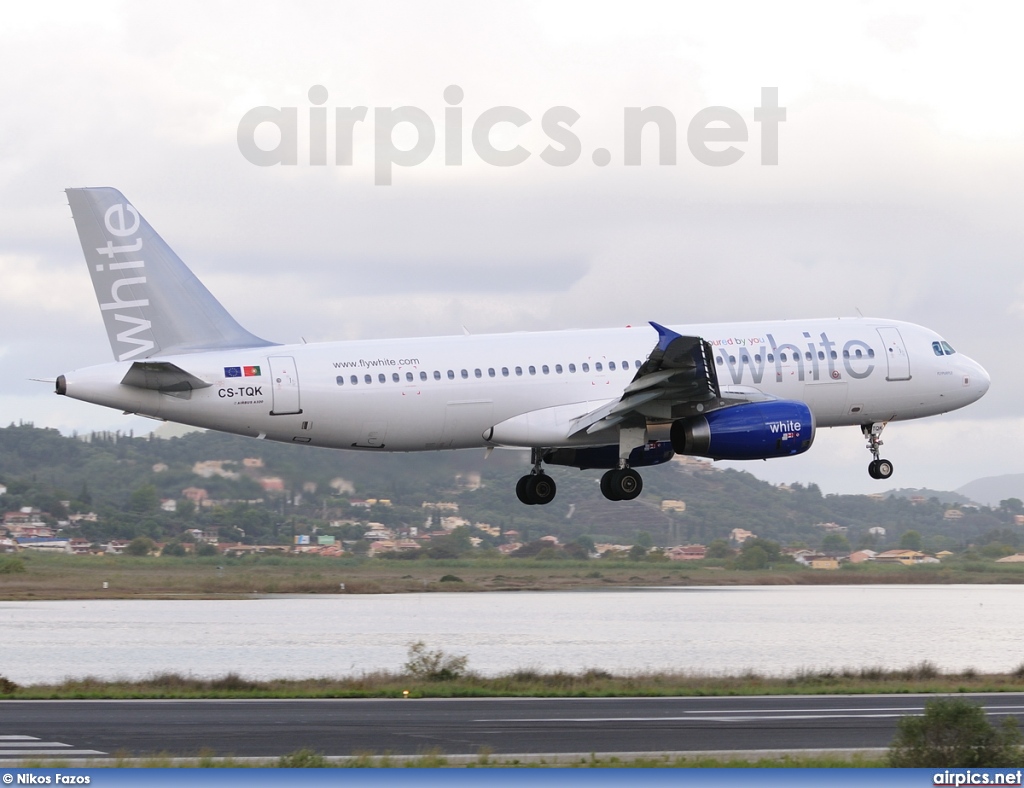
(614, 399)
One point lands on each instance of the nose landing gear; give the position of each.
(877, 468)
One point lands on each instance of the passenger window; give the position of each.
(558, 368)
(381, 378)
(394, 377)
(490, 372)
(771, 358)
(745, 358)
(871, 352)
(757, 359)
(519, 371)
(611, 366)
(545, 369)
(586, 367)
(464, 374)
(451, 374)
(782, 357)
(598, 367)
(719, 360)
(572, 369)
(532, 369)
(367, 379)
(846, 354)
(637, 364)
(353, 380)
(408, 376)
(808, 355)
(858, 353)
(504, 372)
(437, 374)
(423, 375)
(625, 365)
(341, 380)
(732, 359)
(821, 355)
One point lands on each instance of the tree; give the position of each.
(754, 558)
(144, 499)
(719, 548)
(176, 549)
(834, 542)
(140, 545)
(1012, 506)
(954, 733)
(644, 539)
(637, 553)
(433, 665)
(911, 540)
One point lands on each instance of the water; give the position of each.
(715, 630)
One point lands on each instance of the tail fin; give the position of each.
(152, 304)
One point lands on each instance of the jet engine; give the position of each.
(752, 431)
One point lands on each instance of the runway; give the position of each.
(268, 728)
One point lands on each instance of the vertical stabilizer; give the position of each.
(151, 303)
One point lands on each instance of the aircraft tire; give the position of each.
(630, 484)
(884, 469)
(608, 486)
(521, 490)
(541, 489)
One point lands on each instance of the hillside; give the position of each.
(124, 478)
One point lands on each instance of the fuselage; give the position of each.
(423, 394)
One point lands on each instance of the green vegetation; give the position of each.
(450, 677)
(954, 733)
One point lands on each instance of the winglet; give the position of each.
(152, 304)
(665, 336)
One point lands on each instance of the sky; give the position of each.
(897, 193)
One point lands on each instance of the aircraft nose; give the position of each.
(976, 378)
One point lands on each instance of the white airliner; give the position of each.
(615, 398)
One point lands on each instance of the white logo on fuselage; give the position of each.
(114, 222)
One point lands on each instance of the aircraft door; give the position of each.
(895, 354)
(285, 386)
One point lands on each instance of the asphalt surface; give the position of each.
(267, 728)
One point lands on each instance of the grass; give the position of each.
(83, 577)
(921, 678)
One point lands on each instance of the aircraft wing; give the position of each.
(678, 379)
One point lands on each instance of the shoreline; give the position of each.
(59, 577)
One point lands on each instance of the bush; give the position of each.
(11, 566)
(451, 579)
(954, 733)
(7, 687)
(302, 759)
(433, 665)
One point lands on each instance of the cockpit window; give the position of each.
(937, 348)
(949, 350)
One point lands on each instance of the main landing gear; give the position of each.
(536, 488)
(877, 468)
(621, 484)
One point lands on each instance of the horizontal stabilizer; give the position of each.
(163, 377)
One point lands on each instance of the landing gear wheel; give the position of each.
(521, 494)
(541, 489)
(536, 489)
(608, 487)
(877, 468)
(621, 484)
(883, 469)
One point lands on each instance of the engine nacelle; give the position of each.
(752, 431)
(652, 453)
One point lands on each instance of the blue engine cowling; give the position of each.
(653, 453)
(753, 431)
